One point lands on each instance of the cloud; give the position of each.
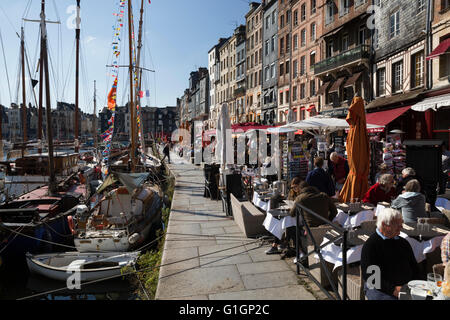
(89, 39)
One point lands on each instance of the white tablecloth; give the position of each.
(333, 253)
(277, 227)
(259, 203)
(345, 220)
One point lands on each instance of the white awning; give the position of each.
(432, 103)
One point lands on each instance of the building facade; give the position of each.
(239, 74)
(254, 34)
(270, 58)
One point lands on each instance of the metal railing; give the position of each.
(351, 55)
(343, 234)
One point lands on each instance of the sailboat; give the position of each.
(126, 208)
(37, 221)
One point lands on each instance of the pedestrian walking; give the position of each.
(166, 152)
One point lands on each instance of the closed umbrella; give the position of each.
(356, 184)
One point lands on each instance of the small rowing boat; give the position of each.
(90, 265)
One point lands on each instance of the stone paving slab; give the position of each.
(206, 255)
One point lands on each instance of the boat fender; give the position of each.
(134, 238)
(71, 224)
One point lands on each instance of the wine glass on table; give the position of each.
(434, 282)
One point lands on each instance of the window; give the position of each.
(266, 73)
(266, 47)
(274, 19)
(303, 12)
(281, 69)
(313, 31)
(302, 91)
(330, 48)
(417, 70)
(313, 6)
(312, 88)
(295, 40)
(288, 67)
(288, 43)
(302, 65)
(281, 97)
(294, 93)
(344, 7)
(267, 22)
(281, 46)
(345, 42)
(303, 37)
(397, 76)
(295, 68)
(288, 17)
(282, 22)
(362, 35)
(295, 17)
(312, 60)
(420, 5)
(444, 65)
(394, 23)
(272, 70)
(272, 47)
(329, 18)
(381, 82)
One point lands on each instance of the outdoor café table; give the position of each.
(333, 253)
(259, 201)
(278, 220)
(355, 220)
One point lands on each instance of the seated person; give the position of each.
(408, 174)
(411, 202)
(339, 169)
(391, 254)
(278, 244)
(320, 179)
(381, 191)
(382, 169)
(318, 202)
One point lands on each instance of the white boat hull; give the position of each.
(61, 266)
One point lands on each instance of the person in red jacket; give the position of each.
(382, 191)
(338, 169)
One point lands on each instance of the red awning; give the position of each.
(310, 108)
(440, 49)
(245, 128)
(383, 118)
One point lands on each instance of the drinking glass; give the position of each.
(434, 282)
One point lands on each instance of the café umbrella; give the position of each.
(356, 184)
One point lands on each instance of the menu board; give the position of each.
(295, 162)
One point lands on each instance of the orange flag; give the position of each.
(112, 96)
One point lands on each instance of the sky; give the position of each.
(177, 37)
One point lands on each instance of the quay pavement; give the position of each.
(207, 257)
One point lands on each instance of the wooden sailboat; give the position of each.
(37, 220)
(130, 209)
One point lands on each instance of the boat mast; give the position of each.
(77, 72)
(95, 116)
(52, 179)
(138, 60)
(41, 84)
(24, 106)
(132, 117)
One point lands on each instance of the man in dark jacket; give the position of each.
(387, 260)
(320, 179)
(166, 152)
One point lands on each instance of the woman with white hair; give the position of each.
(411, 202)
(382, 191)
(387, 260)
